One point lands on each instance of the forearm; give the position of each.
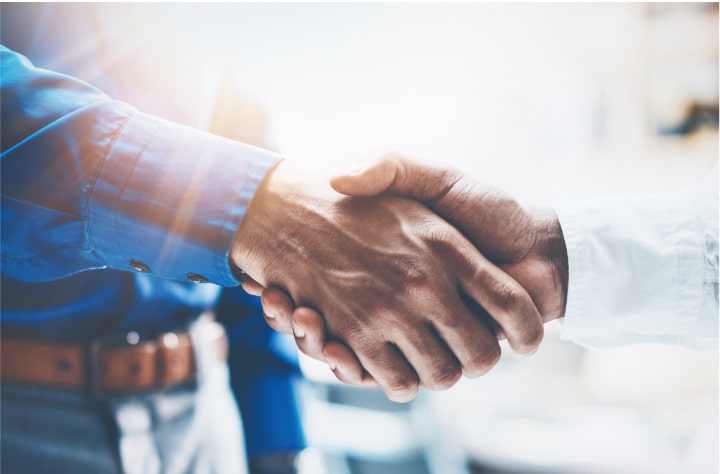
(88, 182)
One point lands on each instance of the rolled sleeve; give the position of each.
(169, 199)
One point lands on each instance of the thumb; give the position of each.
(424, 182)
(370, 179)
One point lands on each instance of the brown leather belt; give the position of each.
(110, 368)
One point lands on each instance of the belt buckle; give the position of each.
(172, 363)
(96, 370)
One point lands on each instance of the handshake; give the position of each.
(402, 274)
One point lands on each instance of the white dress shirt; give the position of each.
(643, 269)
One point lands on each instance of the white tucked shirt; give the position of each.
(643, 269)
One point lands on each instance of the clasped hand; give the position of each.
(389, 292)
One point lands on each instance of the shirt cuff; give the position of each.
(635, 270)
(169, 199)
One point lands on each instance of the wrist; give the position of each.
(252, 231)
(552, 250)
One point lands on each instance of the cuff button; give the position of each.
(196, 278)
(138, 266)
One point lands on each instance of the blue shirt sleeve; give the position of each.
(89, 182)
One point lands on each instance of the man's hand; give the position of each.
(526, 243)
(392, 280)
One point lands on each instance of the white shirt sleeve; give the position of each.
(643, 269)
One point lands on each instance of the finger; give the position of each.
(509, 305)
(277, 309)
(346, 366)
(388, 367)
(309, 330)
(479, 313)
(427, 352)
(471, 340)
(312, 339)
(251, 286)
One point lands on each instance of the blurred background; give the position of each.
(551, 102)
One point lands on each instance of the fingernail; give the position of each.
(331, 363)
(299, 332)
(269, 315)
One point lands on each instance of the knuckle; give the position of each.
(417, 277)
(519, 317)
(439, 235)
(402, 388)
(410, 270)
(508, 295)
(481, 362)
(431, 190)
(441, 239)
(453, 322)
(443, 377)
(530, 340)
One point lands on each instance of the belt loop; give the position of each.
(93, 370)
(160, 364)
(199, 352)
